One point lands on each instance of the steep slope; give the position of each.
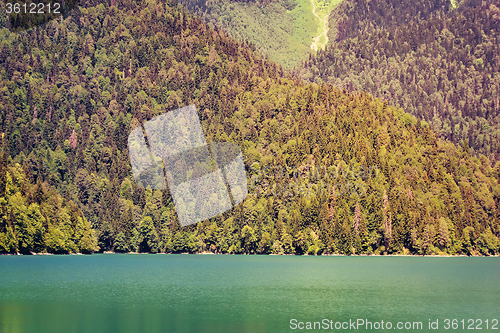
(287, 31)
(444, 70)
(329, 171)
(353, 18)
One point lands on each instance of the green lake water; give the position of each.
(208, 293)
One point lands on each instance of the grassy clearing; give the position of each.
(270, 28)
(322, 10)
(309, 29)
(284, 35)
(305, 24)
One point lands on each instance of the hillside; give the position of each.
(19, 16)
(329, 171)
(353, 18)
(444, 70)
(287, 31)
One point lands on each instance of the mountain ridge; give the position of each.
(72, 90)
(443, 70)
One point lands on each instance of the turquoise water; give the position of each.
(206, 293)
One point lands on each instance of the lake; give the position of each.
(224, 293)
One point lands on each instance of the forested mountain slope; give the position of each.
(329, 171)
(444, 70)
(354, 18)
(283, 30)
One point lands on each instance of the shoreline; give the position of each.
(257, 254)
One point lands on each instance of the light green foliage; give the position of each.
(283, 31)
(324, 7)
(145, 237)
(488, 243)
(36, 219)
(272, 29)
(305, 24)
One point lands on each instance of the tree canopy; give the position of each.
(329, 170)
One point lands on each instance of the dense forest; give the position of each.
(27, 14)
(329, 170)
(36, 218)
(354, 18)
(444, 70)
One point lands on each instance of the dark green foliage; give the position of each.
(444, 70)
(352, 18)
(31, 13)
(3, 173)
(69, 102)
